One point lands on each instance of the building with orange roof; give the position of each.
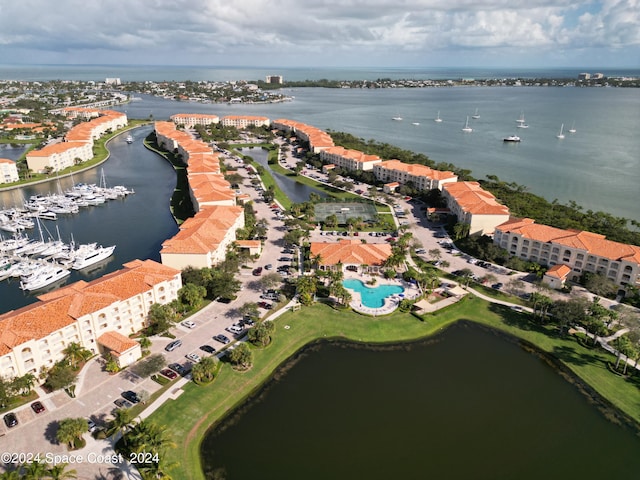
(317, 139)
(556, 276)
(190, 120)
(244, 121)
(203, 239)
(8, 171)
(350, 254)
(475, 207)
(123, 350)
(390, 187)
(420, 176)
(254, 247)
(34, 337)
(349, 159)
(581, 251)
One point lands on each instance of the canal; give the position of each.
(136, 224)
(466, 404)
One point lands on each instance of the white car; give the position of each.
(188, 324)
(194, 357)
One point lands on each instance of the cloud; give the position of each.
(369, 31)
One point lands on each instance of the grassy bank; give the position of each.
(191, 415)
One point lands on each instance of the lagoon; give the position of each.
(465, 404)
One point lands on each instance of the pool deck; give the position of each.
(391, 302)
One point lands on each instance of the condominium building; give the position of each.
(579, 250)
(475, 207)
(317, 139)
(420, 176)
(349, 159)
(8, 171)
(243, 121)
(190, 120)
(35, 336)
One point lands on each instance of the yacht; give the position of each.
(511, 138)
(89, 256)
(47, 276)
(467, 128)
(415, 123)
(561, 135)
(438, 119)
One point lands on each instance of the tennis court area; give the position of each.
(345, 210)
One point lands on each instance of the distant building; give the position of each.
(8, 171)
(274, 79)
(598, 76)
(113, 81)
(584, 76)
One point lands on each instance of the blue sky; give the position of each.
(416, 33)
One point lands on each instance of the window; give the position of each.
(580, 256)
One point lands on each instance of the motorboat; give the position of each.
(129, 139)
(511, 138)
(47, 276)
(89, 256)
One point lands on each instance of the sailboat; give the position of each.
(521, 121)
(397, 118)
(467, 128)
(561, 135)
(438, 119)
(476, 115)
(573, 128)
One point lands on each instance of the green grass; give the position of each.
(200, 407)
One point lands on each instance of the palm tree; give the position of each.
(60, 472)
(122, 421)
(11, 475)
(75, 353)
(204, 370)
(71, 429)
(34, 471)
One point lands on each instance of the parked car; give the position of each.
(37, 407)
(173, 345)
(284, 259)
(268, 266)
(10, 420)
(235, 328)
(179, 369)
(207, 349)
(170, 374)
(132, 396)
(194, 357)
(257, 271)
(122, 403)
(497, 286)
(222, 338)
(91, 425)
(189, 324)
(265, 305)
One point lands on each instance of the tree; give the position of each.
(435, 254)
(204, 370)
(23, 384)
(60, 376)
(460, 230)
(70, 430)
(249, 309)
(34, 470)
(306, 286)
(149, 365)
(161, 318)
(241, 356)
(270, 280)
(60, 472)
(75, 353)
(122, 421)
(192, 295)
(260, 334)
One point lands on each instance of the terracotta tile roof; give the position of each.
(116, 343)
(472, 198)
(592, 243)
(56, 148)
(351, 251)
(249, 243)
(61, 308)
(7, 161)
(559, 271)
(416, 169)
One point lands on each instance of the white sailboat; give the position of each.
(438, 119)
(467, 128)
(475, 115)
(573, 128)
(561, 134)
(521, 121)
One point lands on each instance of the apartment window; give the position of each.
(554, 259)
(579, 264)
(627, 268)
(614, 265)
(525, 249)
(592, 258)
(555, 250)
(525, 242)
(546, 246)
(567, 253)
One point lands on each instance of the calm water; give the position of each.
(598, 167)
(372, 297)
(468, 405)
(137, 224)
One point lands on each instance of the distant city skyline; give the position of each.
(344, 33)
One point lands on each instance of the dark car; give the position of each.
(122, 403)
(284, 259)
(179, 369)
(265, 305)
(222, 338)
(37, 407)
(497, 286)
(257, 272)
(10, 420)
(208, 349)
(170, 374)
(133, 397)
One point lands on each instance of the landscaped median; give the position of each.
(190, 416)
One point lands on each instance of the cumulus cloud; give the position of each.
(198, 31)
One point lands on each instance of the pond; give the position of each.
(468, 404)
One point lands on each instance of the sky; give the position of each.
(330, 33)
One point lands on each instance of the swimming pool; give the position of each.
(372, 297)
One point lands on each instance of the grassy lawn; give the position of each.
(199, 407)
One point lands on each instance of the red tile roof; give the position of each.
(351, 251)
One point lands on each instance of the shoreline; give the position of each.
(403, 329)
